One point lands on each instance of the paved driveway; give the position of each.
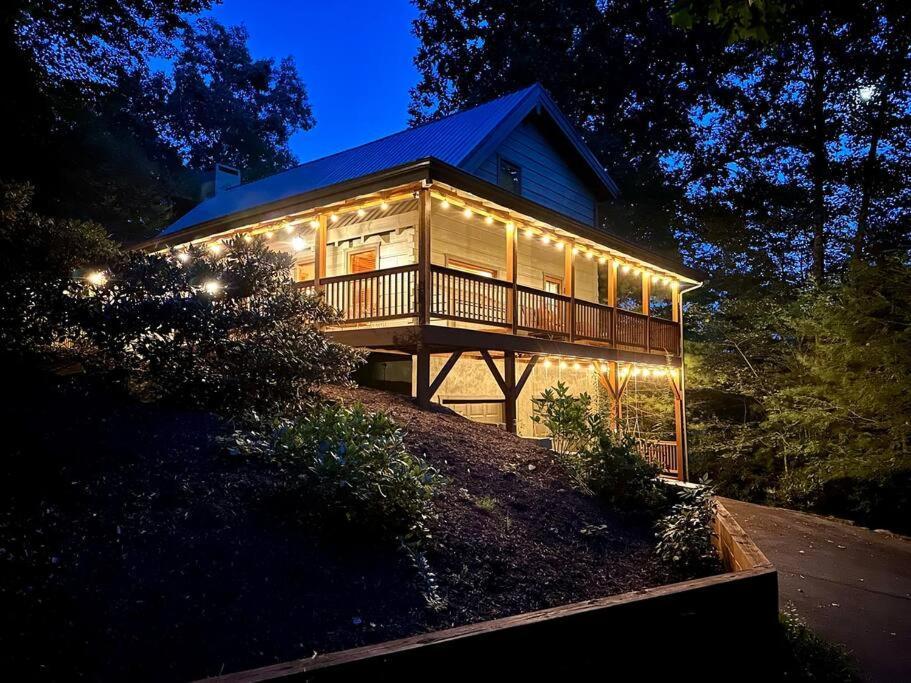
(851, 585)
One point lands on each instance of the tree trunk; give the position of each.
(819, 160)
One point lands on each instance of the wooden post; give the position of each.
(422, 376)
(569, 285)
(424, 272)
(612, 266)
(680, 394)
(616, 410)
(646, 306)
(320, 240)
(512, 267)
(509, 379)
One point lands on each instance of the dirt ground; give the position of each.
(133, 547)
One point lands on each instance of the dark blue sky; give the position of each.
(354, 57)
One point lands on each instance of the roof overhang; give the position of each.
(429, 170)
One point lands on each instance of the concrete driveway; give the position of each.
(850, 584)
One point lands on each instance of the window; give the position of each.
(362, 261)
(509, 176)
(473, 268)
(304, 270)
(552, 284)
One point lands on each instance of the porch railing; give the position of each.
(662, 453)
(467, 297)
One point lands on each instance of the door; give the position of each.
(362, 301)
(478, 410)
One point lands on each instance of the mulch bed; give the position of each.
(133, 547)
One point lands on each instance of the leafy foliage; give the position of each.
(570, 419)
(616, 472)
(353, 469)
(823, 388)
(805, 657)
(230, 332)
(685, 534)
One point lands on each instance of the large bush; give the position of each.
(569, 419)
(229, 332)
(615, 471)
(350, 467)
(685, 534)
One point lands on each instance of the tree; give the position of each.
(620, 71)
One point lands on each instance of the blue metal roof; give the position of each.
(455, 139)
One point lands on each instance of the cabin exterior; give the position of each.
(466, 256)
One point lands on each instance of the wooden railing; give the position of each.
(662, 453)
(542, 312)
(458, 295)
(375, 295)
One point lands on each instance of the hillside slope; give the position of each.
(132, 546)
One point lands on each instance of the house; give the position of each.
(466, 255)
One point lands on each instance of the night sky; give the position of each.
(354, 57)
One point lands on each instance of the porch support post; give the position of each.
(422, 376)
(615, 387)
(424, 273)
(569, 285)
(320, 240)
(646, 306)
(680, 392)
(512, 261)
(612, 266)
(509, 379)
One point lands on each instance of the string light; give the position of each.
(444, 204)
(183, 256)
(547, 362)
(215, 248)
(563, 365)
(602, 259)
(576, 366)
(289, 228)
(212, 287)
(314, 224)
(529, 232)
(626, 268)
(269, 234)
(97, 278)
(334, 218)
(510, 225)
(545, 239)
(384, 205)
(559, 246)
(655, 279)
(361, 213)
(488, 220)
(589, 255)
(298, 244)
(247, 237)
(467, 212)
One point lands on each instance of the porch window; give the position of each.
(362, 261)
(509, 176)
(468, 267)
(629, 290)
(304, 270)
(552, 284)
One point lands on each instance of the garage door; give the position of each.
(488, 411)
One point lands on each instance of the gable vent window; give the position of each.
(509, 176)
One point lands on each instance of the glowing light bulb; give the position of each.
(384, 205)
(635, 372)
(646, 372)
(314, 224)
(212, 287)
(589, 255)
(444, 204)
(559, 246)
(563, 365)
(183, 256)
(626, 269)
(215, 248)
(334, 218)
(298, 244)
(545, 239)
(576, 366)
(488, 220)
(361, 213)
(602, 259)
(97, 278)
(658, 372)
(269, 234)
(529, 232)
(510, 226)
(603, 367)
(248, 238)
(467, 212)
(289, 228)
(547, 362)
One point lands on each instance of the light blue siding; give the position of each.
(547, 176)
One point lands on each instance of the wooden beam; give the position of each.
(526, 373)
(444, 372)
(509, 394)
(320, 239)
(494, 370)
(512, 270)
(424, 254)
(569, 285)
(422, 376)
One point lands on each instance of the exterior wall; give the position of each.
(467, 239)
(471, 378)
(547, 177)
(392, 233)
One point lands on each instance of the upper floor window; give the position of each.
(509, 176)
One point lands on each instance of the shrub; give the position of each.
(804, 656)
(228, 332)
(568, 418)
(356, 470)
(685, 534)
(615, 471)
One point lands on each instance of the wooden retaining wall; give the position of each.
(718, 626)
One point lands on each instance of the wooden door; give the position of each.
(363, 304)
